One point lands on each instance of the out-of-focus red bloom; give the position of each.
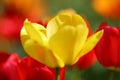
(8, 66)
(32, 9)
(10, 27)
(108, 48)
(13, 68)
(14, 14)
(107, 8)
(89, 59)
(30, 69)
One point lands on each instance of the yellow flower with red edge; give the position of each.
(62, 43)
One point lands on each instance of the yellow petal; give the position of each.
(39, 53)
(90, 44)
(52, 27)
(53, 60)
(31, 46)
(78, 20)
(35, 48)
(81, 32)
(64, 19)
(56, 23)
(35, 32)
(66, 40)
(81, 36)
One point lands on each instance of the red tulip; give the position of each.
(14, 14)
(13, 68)
(89, 59)
(8, 66)
(30, 69)
(108, 48)
(32, 9)
(10, 27)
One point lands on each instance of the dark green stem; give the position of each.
(57, 73)
(112, 75)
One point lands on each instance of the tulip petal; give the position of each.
(56, 23)
(35, 47)
(78, 20)
(81, 36)
(52, 27)
(38, 52)
(90, 44)
(62, 43)
(35, 32)
(81, 32)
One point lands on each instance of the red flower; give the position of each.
(32, 9)
(14, 14)
(10, 27)
(89, 59)
(13, 68)
(108, 49)
(8, 66)
(30, 69)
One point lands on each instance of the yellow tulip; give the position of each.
(62, 43)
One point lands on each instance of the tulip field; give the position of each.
(59, 39)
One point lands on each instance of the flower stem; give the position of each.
(57, 73)
(112, 75)
(62, 73)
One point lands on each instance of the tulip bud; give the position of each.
(107, 50)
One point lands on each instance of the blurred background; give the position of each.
(14, 12)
